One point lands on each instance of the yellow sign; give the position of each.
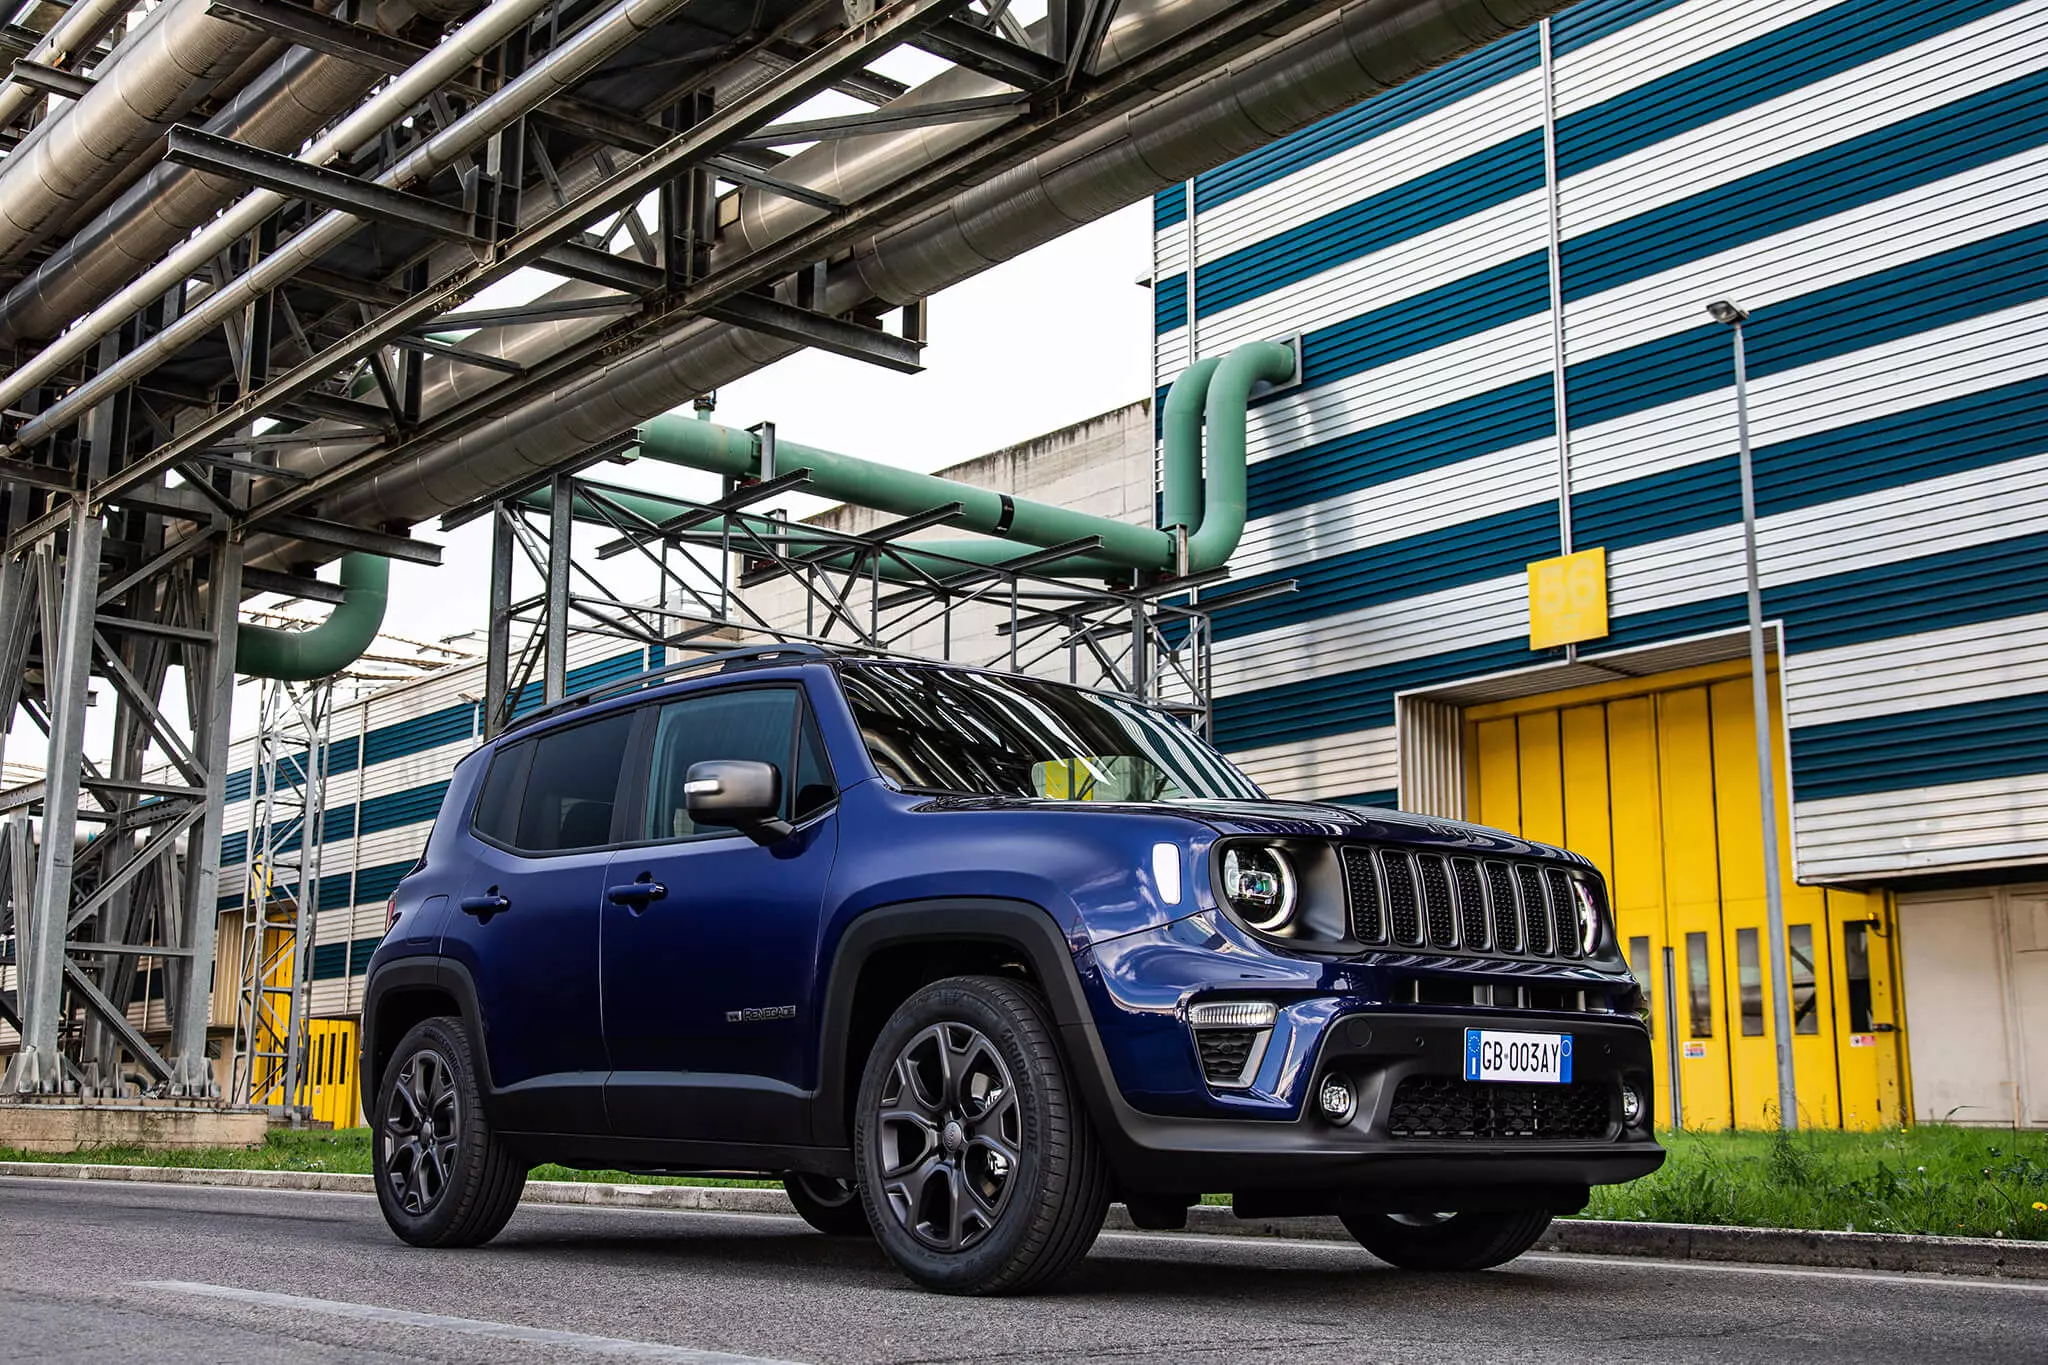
(1568, 599)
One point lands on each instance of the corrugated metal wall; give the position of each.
(1872, 183)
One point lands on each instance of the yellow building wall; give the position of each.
(1654, 780)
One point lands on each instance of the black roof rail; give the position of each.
(723, 661)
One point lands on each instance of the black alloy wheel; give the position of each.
(827, 1203)
(421, 1130)
(1446, 1241)
(443, 1177)
(974, 1156)
(949, 1134)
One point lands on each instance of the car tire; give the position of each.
(830, 1205)
(967, 1082)
(443, 1176)
(1447, 1241)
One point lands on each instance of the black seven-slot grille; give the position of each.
(1460, 903)
(1447, 1107)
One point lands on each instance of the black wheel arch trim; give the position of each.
(1021, 925)
(425, 975)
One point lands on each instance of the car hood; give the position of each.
(1293, 819)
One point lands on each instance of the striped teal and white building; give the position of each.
(1498, 275)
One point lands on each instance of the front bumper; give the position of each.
(1308, 1165)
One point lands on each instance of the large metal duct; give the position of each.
(852, 168)
(291, 101)
(84, 24)
(170, 62)
(1354, 53)
(363, 125)
(609, 31)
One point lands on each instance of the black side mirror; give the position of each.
(738, 792)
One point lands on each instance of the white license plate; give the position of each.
(1493, 1055)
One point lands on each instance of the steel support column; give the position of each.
(36, 1068)
(561, 527)
(498, 647)
(210, 683)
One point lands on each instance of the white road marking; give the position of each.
(475, 1327)
(1926, 1279)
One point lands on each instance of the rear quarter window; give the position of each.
(555, 793)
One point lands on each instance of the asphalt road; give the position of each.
(162, 1273)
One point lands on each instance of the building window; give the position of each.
(1805, 993)
(1699, 986)
(1749, 974)
(1639, 963)
(1856, 972)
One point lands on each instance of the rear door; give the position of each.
(527, 921)
(707, 987)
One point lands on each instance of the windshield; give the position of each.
(950, 730)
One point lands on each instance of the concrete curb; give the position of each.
(1975, 1256)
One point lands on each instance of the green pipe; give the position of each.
(334, 644)
(940, 559)
(1180, 466)
(843, 478)
(1208, 397)
(1223, 491)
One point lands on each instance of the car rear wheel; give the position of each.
(1446, 1241)
(444, 1179)
(830, 1205)
(971, 1146)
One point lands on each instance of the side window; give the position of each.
(497, 808)
(570, 786)
(757, 724)
(814, 786)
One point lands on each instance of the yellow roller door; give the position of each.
(1654, 779)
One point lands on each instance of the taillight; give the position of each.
(390, 912)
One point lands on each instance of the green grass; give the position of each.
(345, 1151)
(1963, 1182)
(1958, 1182)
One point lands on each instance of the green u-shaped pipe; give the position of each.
(1207, 400)
(334, 644)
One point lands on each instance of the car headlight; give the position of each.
(1590, 920)
(1258, 883)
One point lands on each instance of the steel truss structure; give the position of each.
(241, 244)
(725, 571)
(281, 892)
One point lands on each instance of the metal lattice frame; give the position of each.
(116, 924)
(281, 891)
(724, 573)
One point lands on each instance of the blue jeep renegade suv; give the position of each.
(962, 956)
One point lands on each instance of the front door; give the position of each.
(710, 939)
(528, 922)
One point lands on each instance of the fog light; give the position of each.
(1336, 1100)
(1631, 1106)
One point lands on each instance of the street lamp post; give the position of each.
(1733, 316)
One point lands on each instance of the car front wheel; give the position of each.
(1447, 1241)
(444, 1179)
(972, 1150)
